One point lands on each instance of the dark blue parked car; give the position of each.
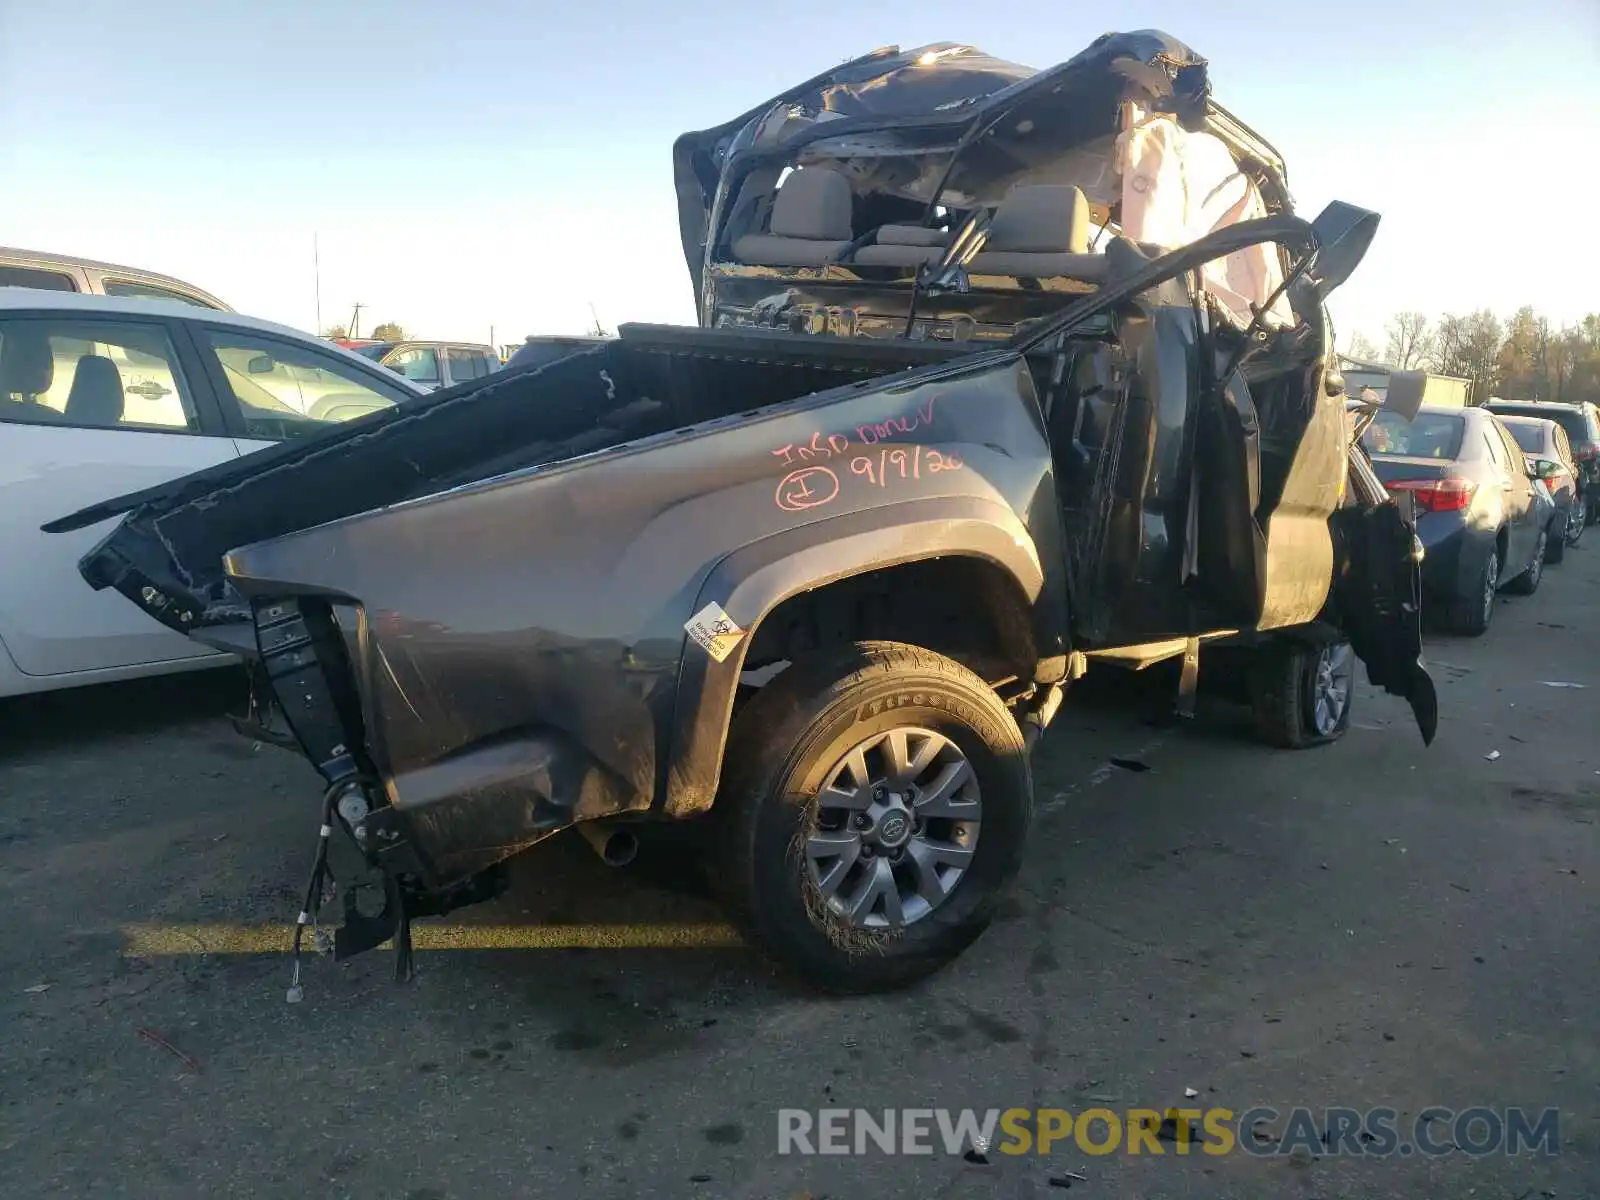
(1484, 518)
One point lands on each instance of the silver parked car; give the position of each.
(432, 365)
(64, 273)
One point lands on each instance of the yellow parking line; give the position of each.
(162, 940)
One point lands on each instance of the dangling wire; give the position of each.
(313, 900)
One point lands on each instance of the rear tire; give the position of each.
(1471, 614)
(1527, 583)
(1555, 540)
(1301, 695)
(803, 733)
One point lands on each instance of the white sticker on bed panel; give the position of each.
(714, 631)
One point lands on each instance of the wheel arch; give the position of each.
(955, 540)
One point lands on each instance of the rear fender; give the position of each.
(751, 582)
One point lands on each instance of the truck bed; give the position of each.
(650, 381)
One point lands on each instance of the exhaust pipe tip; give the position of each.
(616, 847)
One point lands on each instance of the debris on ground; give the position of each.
(1131, 764)
(1558, 684)
(1064, 1180)
(1492, 755)
(1189, 1093)
(36, 989)
(155, 1039)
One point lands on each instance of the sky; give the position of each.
(484, 166)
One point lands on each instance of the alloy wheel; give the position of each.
(1331, 685)
(1491, 585)
(895, 829)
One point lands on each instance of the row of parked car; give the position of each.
(1499, 492)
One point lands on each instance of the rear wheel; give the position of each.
(1527, 583)
(1555, 542)
(1577, 521)
(874, 810)
(1301, 695)
(1471, 614)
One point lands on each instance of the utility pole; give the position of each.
(316, 274)
(355, 321)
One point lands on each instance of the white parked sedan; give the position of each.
(101, 396)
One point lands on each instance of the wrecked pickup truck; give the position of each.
(820, 570)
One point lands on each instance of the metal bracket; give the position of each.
(1188, 679)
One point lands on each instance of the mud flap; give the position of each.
(1378, 594)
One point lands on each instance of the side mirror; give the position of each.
(1343, 232)
(1404, 394)
(261, 364)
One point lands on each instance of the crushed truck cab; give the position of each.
(812, 585)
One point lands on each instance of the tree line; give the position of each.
(1524, 357)
(384, 331)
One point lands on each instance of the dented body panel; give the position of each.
(541, 651)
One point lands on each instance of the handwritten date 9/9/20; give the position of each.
(815, 485)
(910, 462)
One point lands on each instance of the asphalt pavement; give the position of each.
(1209, 925)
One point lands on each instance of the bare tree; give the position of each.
(1410, 341)
(1362, 348)
(389, 331)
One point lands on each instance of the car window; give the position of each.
(1529, 437)
(1497, 449)
(1569, 419)
(467, 364)
(1431, 435)
(148, 291)
(1516, 460)
(417, 363)
(284, 390)
(35, 277)
(92, 374)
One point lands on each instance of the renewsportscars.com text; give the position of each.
(1264, 1132)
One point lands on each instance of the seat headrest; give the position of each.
(96, 395)
(813, 203)
(1041, 218)
(27, 367)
